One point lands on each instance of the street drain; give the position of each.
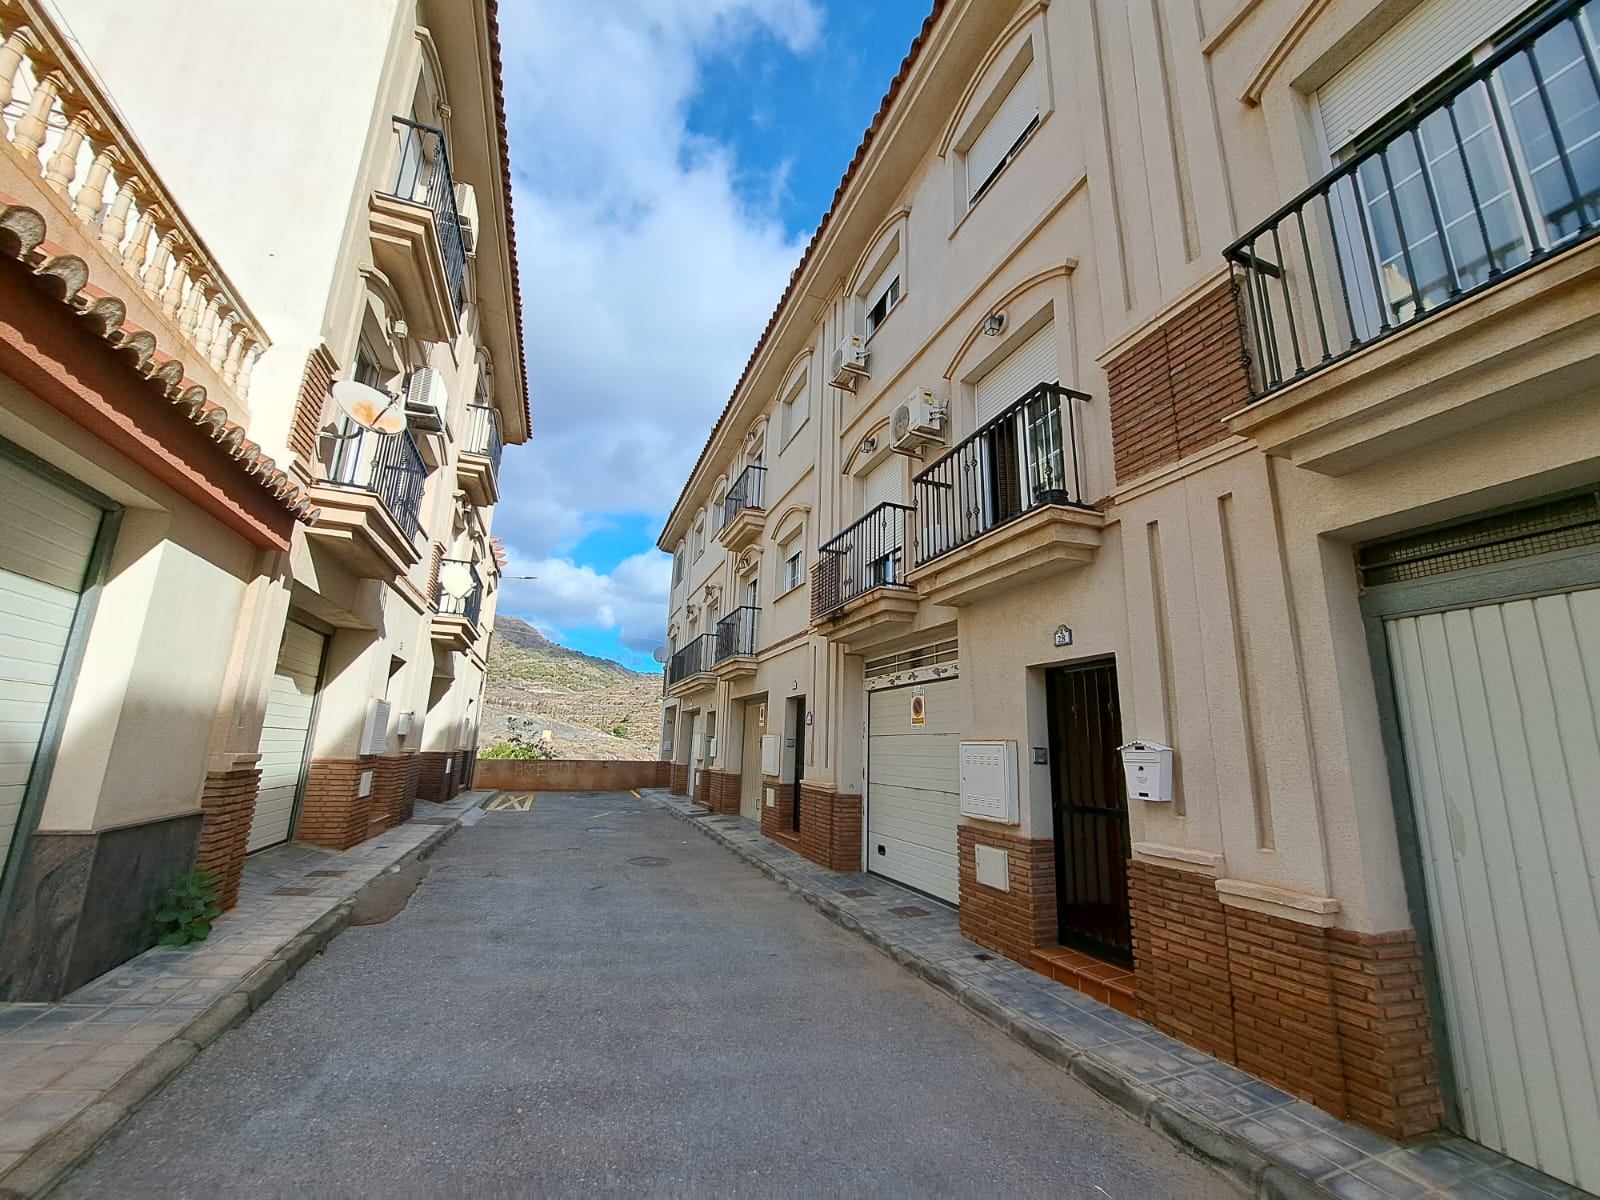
(648, 860)
(599, 829)
(910, 910)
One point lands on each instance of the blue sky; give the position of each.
(671, 158)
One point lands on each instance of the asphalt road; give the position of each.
(548, 1017)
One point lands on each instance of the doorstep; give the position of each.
(1272, 1145)
(72, 1069)
(1108, 983)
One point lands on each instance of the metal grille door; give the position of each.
(1091, 812)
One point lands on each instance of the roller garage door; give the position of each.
(914, 787)
(46, 538)
(285, 734)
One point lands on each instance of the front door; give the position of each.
(286, 734)
(1091, 811)
(797, 738)
(755, 725)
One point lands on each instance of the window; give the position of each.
(792, 555)
(796, 409)
(887, 299)
(677, 567)
(1003, 134)
(699, 538)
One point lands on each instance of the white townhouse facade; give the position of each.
(1160, 518)
(246, 619)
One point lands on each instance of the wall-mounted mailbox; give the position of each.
(1148, 767)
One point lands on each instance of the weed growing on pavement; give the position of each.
(187, 909)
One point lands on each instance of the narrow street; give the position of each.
(590, 997)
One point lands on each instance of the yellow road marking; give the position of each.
(512, 802)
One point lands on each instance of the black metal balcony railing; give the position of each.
(483, 434)
(423, 177)
(745, 493)
(736, 634)
(388, 465)
(869, 554)
(693, 659)
(1487, 176)
(470, 605)
(1024, 459)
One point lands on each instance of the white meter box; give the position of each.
(989, 781)
(771, 753)
(1148, 767)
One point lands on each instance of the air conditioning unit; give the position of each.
(918, 422)
(849, 363)
(467, 211)
(426, 399)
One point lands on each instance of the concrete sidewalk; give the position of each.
(1275, 1146)
(71, 1070)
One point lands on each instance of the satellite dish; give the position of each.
(368, 407)
(456, 579)
(660, 655)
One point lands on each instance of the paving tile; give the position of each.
(21, 1135)
(52, 1105)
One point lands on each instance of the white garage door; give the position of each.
(914, 788)
(46, 537)
(285, 734)
(1499, 706)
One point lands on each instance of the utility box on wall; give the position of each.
(989, 781)
(771, 754)
(1148, 768)
(375, 733)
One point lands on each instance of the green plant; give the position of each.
(187, 909)
(620, 731)
(517, 748)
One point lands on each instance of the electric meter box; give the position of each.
(1148, 767)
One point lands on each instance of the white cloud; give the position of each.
(646, 275)
(632, 599)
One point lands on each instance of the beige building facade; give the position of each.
(1160, 519)
(246, 618)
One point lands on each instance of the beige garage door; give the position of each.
(914, 788)
(286, 733)
(46, 538)
(1499, 706)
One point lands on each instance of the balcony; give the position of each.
(478, 470)
(416, 232)
(371, 501)
(743, 516)
(1006, 505)
(1442, 277)
(690, 668)
(735, 651)
(456, 618)
(859, 593)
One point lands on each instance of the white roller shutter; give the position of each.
(1030, 364)
(884, 484)
(285, 733)
(46, 538)
(914, 788)
(1417, 50)
(1499, 713)
(1010, 121)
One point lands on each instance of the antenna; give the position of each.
(456, 579)
(371, 409)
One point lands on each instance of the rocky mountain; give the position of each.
(593, 707)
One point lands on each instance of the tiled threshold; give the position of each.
(1270, 1145)
(1106, 982)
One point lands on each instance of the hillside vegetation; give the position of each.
(592, 707)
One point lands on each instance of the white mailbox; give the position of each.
(1148, 766)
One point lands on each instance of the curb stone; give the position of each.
(1235, 1158)
(49, 1161)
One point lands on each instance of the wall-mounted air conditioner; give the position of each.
(918, 422)
(850, 362)
(467, 211)
(426, 400)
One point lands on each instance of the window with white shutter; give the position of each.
(1025, 368)
(1003, 135)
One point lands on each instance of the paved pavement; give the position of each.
(589, 997)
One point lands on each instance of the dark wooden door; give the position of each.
(799, 735)
(1091, 811)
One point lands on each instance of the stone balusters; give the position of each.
(49, 113)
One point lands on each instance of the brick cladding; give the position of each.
(830, 827)
(1011, 923)
(678, 779)
(229, 804)
(410, 780)
(702, 788)
(388, 799)
(664, 774)
(315, 381)
(331, 814)
(1170, 390)
(1336, 1017)
(777, 821)
(431, 776)
(721, 789)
